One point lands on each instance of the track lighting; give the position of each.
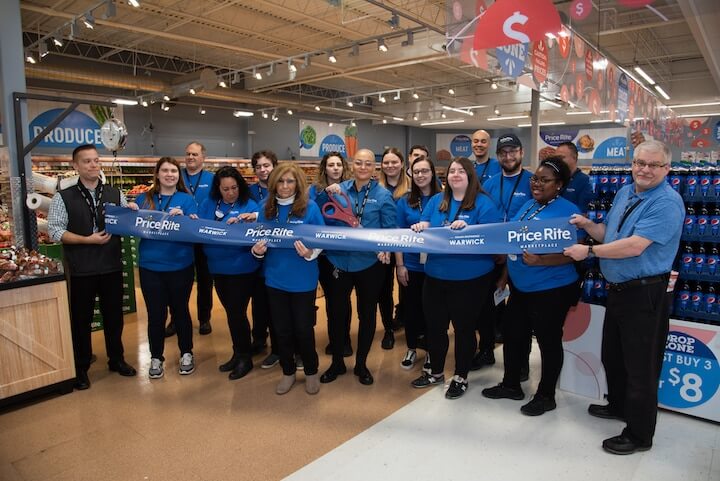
(271, 70)
(291, 66)
(256, 74)
(144, 103)
(192, 91)
(443, 115)
(43, 49)
(415, 95)
(317, 108)
(384, 121)
(289, 111)
(307, 61)
(29, 56)
(89, 21)
(57, 42)
(451, 91)
(381, 98)
(353, 123)
(222, 84)
(381, 45)
(166, 98)
(164, 106)
(397, 96)
(496, 110)
(331, 57)
(494, 85)
(349, 103)
(264, 114)
(201, 111)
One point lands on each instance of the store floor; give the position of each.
(204, 427)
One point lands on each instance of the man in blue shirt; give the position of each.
(579, 190)
(640, 236)
(485, 166)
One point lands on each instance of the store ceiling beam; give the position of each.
(641, 26)
(703, 18)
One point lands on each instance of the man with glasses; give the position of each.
(579, 190)
(640, 238)
(510, 189)
(485, 166)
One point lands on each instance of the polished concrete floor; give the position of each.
(205, 427)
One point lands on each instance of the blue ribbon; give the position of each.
(536, 236)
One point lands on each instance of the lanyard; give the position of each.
(457, 213)
(420, 206)
(197, 182)
(289, 215)
(482, 176)
(505, 208)
(534, 214)
(96, 212)
(360, 209)
(627, 213)
(260, 192)
(220, 215)
(167, 204)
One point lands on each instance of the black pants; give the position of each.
(234, 292)
(633, 346)
(367, 285)
(163, 290)
(459, 302)
(386, 302)
(204, 285)
(491, 316)
(413, 314)
(83, 289)
(261, 316)
(293, 315)
(541, 312)
(326, 278)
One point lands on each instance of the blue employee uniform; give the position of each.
(375, 208)
(460, 267)
(407, 216)
(258, 193)
(284, 268)
(579, 190)
(658, 217)
(541, 278)
(165, 256)
(509, 192)
(313, 192)
(487, 170)
(226, 259)
(198, 184)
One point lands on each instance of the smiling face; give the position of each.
(544, 185)
(286, 186)
(194, 158)
(168, 176)
(363, 165)
(649, 169)
(480, 144)
(263, 168)
(457, 178)
(391, 165)
(334, 169)
(422, 174)
(229, 190)
(510, 159)
(87, 165)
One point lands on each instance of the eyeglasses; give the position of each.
(287, 181)
(641, 164)
(421, 172)
(508, 153)
(541, 180)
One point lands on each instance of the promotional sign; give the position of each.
(717, 132)
(319, 138)
(540, 237)
(580, 9)
(540, 61)
(81, 126)
(622, 96)
(515, 21)
(596, 144)
(512, 58)
(582, 372)
(461, 146)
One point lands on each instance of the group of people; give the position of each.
(638, 244)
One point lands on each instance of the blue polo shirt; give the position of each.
(379, 213)
(658, 217)
(460, 267)
(541, 278)
(579, 190)
(198, 185)
(258, 193)
(228, 259)
(509, 192)
(488, 169)
(167, 256)
(407, 216)
(284, 268)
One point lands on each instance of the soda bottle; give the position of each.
(705, 180)
(675, 180)
(696, 297)
(691, 181)
(690, 220)
(614, 181)
(709, 299)
(604, 180)
(599, 293)
(588, 286)
(626, 176)
(712, 260)
(601, 211)
(700, 259)
(593, 175)
(715, 181)
(703, 219)
(687, 259)
(683, 297)
(715, 221)
(591, 211)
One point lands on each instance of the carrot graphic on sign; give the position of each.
(351, 141)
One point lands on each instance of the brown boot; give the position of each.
(312, 384)
(285, 384)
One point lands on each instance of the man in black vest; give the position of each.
(93, 262)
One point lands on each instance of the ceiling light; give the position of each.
(443, 122)
(454, 109)
(381, 98)
(331, 57)
(222, 84)
(271, 70)
(600, 121)
(381, 45)
(496, 110)
(256, 74)
(394, 21)
(134, 3)
(662, 92)
(543, 124)
(684, 116)
(124, 101)
(330, 124)
(164, 106)
(89, 21)
(582, 112)
(352, 122)
(201, 111)
(264, 114)
(166, 98)
(415, 95)
(57, 42)
(289, 111)
(317, 108)
(451, 91)
(509, 117)
(705, 104)
(29, 57)
(494, 85)
(43, 49)
(397, 96)
(349, 103)
(306, 62)
(192, 91)
(111, 11)
(415, 117)
(144, 103)
(410, 39)
(443, 115)
(642, 73)
(291, 66)
(275, 118)
(243, 113)
(384, 121)
(399, 119)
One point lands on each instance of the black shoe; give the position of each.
(82, 381)
(170, 329)
(426, 380)
(538, 405)
(205, 328)
(242, 367)
(258, 348)
(388, 340)
(482, 359)
(122, 368)
(93, 358)
(524, 373)
(503, 392)
(230, 364)
(457, 387)
(363, 375)
(332, 373)
(624, 444)
(604, 411)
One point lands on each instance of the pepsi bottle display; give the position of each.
(687, 259)
(705, 180)
(691, 182)
(709, 299)
(696, 298)
(712, 260)
(715, 221)
(690, 220)
(703, 219)
(683, 299)
(700, 259)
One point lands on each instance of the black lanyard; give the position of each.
(96, 212)
(167, 204)
(197, 182)
(507, 209)
(627, 213)
(217, 210)
(534, 214)
(482, 176)
(289, 215)
(360, 209)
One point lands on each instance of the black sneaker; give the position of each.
(427, 380)
(539, 405)
(482, 359)
(457, 387)
(503, 392)
(388, 340)
(205, 328)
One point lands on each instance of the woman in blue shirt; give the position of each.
(291, 276)
(373, 206)
(410, 269)
(456, 285)
(542, 289)
(233, 268)
(166, 268)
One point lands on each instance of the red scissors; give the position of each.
(333, 209)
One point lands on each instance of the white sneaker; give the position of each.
(187, 364)
(409, 360)
(156, 370)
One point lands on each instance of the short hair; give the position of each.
(82, 148)
(420, 147)
(203, 150)
(654, 146)
(559, 167)
(572, 147)
(268, 154)
(231, 172)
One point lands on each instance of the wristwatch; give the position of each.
(590, 253)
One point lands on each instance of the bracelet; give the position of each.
(399, 265)
(257, 256)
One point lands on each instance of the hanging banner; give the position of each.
(318, 138)
(512, 58)
(539, 237)
(509, 22)
(596, 144)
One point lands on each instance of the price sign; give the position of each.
(691, 373)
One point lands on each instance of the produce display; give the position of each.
(21, 264)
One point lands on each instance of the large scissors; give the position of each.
(333, 209)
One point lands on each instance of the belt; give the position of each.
(643, 281)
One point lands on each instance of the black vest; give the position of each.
(89, 259)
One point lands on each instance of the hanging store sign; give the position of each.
(319, 138)
(81, 126)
